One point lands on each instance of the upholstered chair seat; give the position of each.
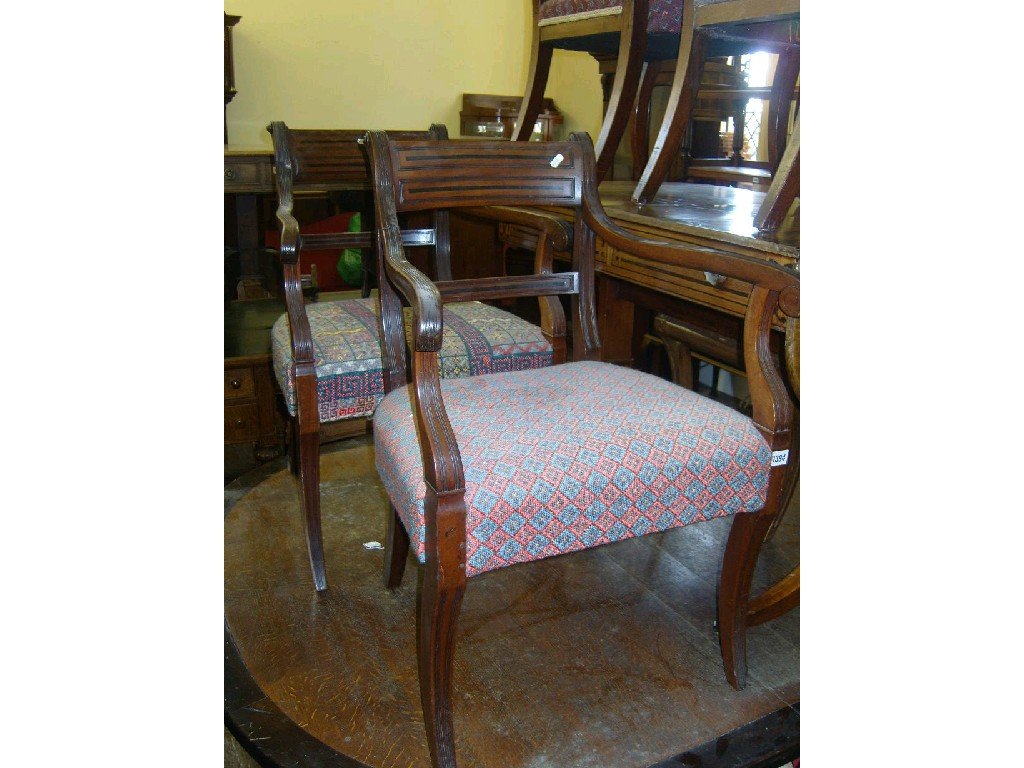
(478, 338)
(593, 453)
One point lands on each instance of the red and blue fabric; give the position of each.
(573, 456)
(478, 338)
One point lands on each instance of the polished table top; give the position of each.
(707, 210)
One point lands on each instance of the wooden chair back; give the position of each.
(498, 178)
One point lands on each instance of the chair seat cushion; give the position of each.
(663, 16)
(576, 455)
(478, 338)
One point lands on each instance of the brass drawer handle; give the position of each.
(229, 174)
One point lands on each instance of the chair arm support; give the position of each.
(416, 288)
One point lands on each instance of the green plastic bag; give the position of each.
(350, 263)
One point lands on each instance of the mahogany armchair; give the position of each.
(327, 354)
(638, 30)
(508, 468)
(725, 28)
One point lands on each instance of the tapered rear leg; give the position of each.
(642, 117)
(309, 482)
(629, 69)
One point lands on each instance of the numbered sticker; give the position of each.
(780, 458)
(557, 160)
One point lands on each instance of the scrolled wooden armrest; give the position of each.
(415, 287)
(288, 253)
(289, 248)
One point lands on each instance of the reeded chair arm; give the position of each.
(442, 466)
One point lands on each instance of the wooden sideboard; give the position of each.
(251, 414)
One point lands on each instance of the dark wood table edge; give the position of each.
(270, 737)
(770, 741)
(275, 741)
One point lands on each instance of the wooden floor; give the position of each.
(601, 659)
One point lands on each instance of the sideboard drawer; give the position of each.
(241, 423)
(238, 383)
(248, 174)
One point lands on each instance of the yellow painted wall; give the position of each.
(392, 64)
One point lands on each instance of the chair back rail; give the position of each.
(330, 241)
(469, 175)
(326, 159)
(485, 173)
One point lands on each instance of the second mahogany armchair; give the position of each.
(327, 354)
(500, 470)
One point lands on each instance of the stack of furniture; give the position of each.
(636, 32)
(712, 28)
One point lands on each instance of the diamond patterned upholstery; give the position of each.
(663, 17)
(478, 338)
(563, 458)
